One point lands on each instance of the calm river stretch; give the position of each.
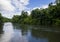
(26, 33)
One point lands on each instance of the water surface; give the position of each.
(26, 33)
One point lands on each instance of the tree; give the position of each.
(23, 16)
(1, 23)
(48, 16)
(57, 1)
(15, 19)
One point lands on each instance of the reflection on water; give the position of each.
(24, 29)
(8, 31)
(1, 28)
(25, 33)
(51, 36)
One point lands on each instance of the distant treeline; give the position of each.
(48, 16)
(2, 21)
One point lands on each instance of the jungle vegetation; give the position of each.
(47, 16)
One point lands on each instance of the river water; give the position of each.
(25, 33)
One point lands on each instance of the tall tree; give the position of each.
(1, 23)
(57, 1)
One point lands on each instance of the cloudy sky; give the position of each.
(8, 8)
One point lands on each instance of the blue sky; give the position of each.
(8, 8)
(39, 3)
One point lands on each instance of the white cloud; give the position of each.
(29, 12)
(25, 2)
(10, 15)
(54, 4)
(36, 8)
(5, 5)
(12, 6)
(44, 6)
(20, 4)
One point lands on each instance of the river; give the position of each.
(25, 33)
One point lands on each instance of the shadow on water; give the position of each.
(51, 36)
(39, 33)
(1, 28)
(23, 28)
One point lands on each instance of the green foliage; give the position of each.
(1, 23)
(48, 16)
(57, 1)
(15, 19)
(57, 22)
(1, 19)
(6, 19)
(20, 19)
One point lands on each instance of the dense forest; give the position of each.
(48, 16)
